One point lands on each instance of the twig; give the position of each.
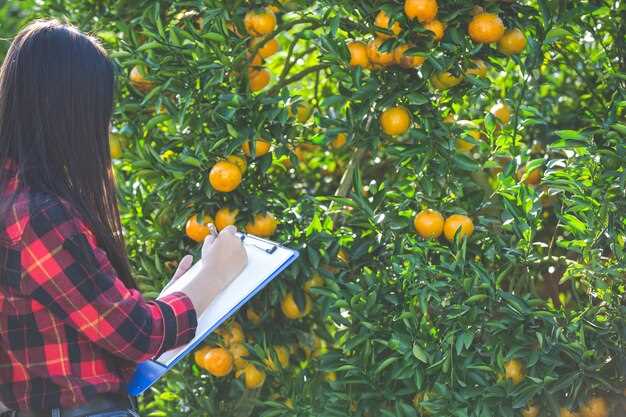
(296, 77)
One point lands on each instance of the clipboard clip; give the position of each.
(269, 250)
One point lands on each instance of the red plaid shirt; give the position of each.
(69, 327)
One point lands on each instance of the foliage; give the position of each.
(407, 326)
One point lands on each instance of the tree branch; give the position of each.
(296, 77)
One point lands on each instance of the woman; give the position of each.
(72, 323)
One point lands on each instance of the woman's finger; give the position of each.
(183, 266)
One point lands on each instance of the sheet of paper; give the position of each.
(261, 266)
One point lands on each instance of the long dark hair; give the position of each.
(56, 102)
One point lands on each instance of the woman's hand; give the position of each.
(223, 259)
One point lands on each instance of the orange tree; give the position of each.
(451, 171)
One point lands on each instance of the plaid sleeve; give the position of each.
(64, 271)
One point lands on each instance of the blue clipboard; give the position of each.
(266, 260)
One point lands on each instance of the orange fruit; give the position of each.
(330, 376)
(422, 10)
(479, 69)
(377, 57)
(470, 129)
(316, 281)
(261, 147)
(339, 140)
(382, 21)
(258, 78)
(502, 112)
(115, 146)
(232, 333)
(218, 362)
(445, 80)
(283, 359)
(268, 49)
(594, 407)
(225, 217)
(512, 42)
(260, 23)
(407, 61)
(428, 224)
(253, 316)
(290, 308)
(225, 176)
(198, 231)
(566, 412)
(450, 118)
(358, 55)
(263, 225)
(514, 371)
(253, 377)
(239, 161)
(533, 178)
(239, 352)
(198, 355)
(301, 110)
(486, 28)
(456, 222)
(437, 27)
(138, 80)
(531, 411)
(395, 121)
(255, 63)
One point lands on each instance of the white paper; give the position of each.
(261, 265)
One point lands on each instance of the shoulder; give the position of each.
(45, 214)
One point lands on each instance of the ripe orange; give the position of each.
(239, 161)
(198, 355)
(533, 178)
(486, 28)
(407, 61)
(456, 222)
(358, 55)
(470, 129)
(198, 231)
(428, 224)
(479, 69)
(268, 49)
(218, 362)
(261, 147)
(115, 146)
(263, 225)
(514, 371)
(225, 176)
(253, 316)
(422, 10)
(339, 140)
(395, 121)
(258, 78)
(377, 57)
(138, 80)
(445, 80)
(232, 333)
(301, 110)
(502, 112)
(531, 411)
(315, 281)
(565, 412)
(225, 217)
(259, 23)
(595, 407)
(283, 359)
(512, 42)
(239, 352)
(382, 21)
(255, 63)
(437, 27)
(253, 377)
(290, 308)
